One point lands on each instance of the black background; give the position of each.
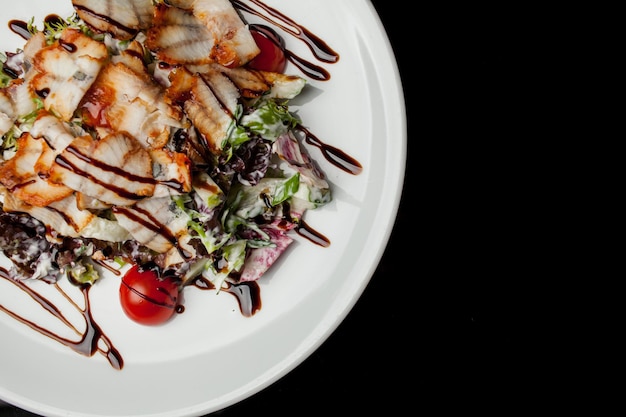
(438, 324)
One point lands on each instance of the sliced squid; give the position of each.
(172, 171)
(25, 174)
(210, 102)
(61, 219)
(34, 44)
(115, 169)
(121, 18)
(199, 32)
(65, 70)
(254, 83)
(56, 134)
(234, 44)
(123, 100)
(85, 202)
(132, 57)
(156, 223)
(21, 96)
(65, 218)
(179, 37)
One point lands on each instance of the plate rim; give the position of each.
(397, 187)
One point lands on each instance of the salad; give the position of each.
(154, 136)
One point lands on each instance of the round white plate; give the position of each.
(211, 356)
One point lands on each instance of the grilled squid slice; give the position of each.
(19, 91)
(85, 202)
(65, 70)
(179, 37)
(124, 100)
(132, 56)
(210, 101)
(65, 218)
(56, 134)
(22, 100)
(121, 18)
(201, 31)
(156, 223)
(172, 171)
(254, 83)
(116, 169)
(25, 174)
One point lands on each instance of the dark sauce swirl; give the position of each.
(248, 294)
(320, 49)
(89, 339)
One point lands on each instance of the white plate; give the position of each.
(211, 356)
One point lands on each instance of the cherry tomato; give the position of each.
(272, 57)
(146, 298)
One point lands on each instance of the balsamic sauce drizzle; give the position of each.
(246, 293)
(333, 155)
(320, 49)
(107, 19)
(306, 231)
(87, 345)
(20, 28)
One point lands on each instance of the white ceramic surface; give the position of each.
(211, 356)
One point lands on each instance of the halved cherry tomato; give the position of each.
(146, 298)
(272, 57)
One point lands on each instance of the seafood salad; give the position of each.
(151, 134)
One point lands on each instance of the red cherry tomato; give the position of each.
(272, 57)
(146, 298)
